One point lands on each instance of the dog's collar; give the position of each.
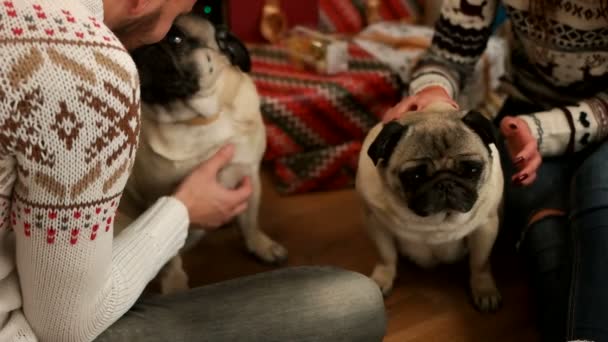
(199, 120)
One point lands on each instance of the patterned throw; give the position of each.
(316, 123)
(69, 125)
(559, 58)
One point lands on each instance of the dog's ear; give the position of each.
(482, 126)
(233, 48)
(383, 146)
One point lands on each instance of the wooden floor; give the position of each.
(325, 229)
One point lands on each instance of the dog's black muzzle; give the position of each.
(445, 192)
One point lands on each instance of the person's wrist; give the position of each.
(184, 200)
(437, 96)
(435, 90)
(521, 122)
(525, 125)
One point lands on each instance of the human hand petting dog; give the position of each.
(433, 95)
(521, 144)
(210, 204)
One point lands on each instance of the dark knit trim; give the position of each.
(570, 119)
(460, 41)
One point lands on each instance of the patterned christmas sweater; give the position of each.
(560, 62)
(69, 125)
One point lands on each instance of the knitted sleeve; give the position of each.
(570, 129)
(461, 35)
(69, 118)
(13, 326)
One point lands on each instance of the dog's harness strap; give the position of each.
(201, 120)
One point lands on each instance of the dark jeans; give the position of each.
(567, 256)
(293, 304)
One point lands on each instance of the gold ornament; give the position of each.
(372, 11)
(274, 21)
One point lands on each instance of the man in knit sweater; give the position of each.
(69, 126)
(555, 125)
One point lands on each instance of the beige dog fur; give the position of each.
(394, 228)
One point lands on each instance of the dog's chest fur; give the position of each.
(168, 152)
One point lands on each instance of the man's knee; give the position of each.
(357, 304)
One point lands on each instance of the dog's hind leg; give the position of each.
(258, 242)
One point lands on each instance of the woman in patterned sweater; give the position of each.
(557, 113)
(69, 126)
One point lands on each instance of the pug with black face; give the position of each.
(196, 98)
(432, 187)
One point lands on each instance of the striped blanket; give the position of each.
(316, 123)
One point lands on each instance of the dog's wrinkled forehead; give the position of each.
(435, 138)
(198, 29)
(419, 136)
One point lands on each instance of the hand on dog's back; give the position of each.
(210, 204)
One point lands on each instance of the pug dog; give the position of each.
(432, 187)
(197, 97)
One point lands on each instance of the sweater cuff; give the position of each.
(428, 77)
(563, 130)
(168, 225)
(151, 240)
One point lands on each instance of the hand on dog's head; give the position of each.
(436, 162)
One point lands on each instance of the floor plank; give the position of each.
(326, 229)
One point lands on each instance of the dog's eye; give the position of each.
(470, 168)
(175, 39)
(413, 176)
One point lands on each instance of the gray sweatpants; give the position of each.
(294, 304)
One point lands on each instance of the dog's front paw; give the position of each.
(268, 250)
(174, 281)
(486, 296)
(384, 276)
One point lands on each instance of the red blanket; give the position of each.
(316, 123)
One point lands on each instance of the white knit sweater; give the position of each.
(69, 125)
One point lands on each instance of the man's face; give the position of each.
(154, 22)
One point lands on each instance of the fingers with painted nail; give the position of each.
(522, 148)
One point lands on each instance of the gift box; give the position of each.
(316, 123)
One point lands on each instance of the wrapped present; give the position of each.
(351, 16)
(400, 45)
(315, 123)
(316, 51)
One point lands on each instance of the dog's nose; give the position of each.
(444, 186)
